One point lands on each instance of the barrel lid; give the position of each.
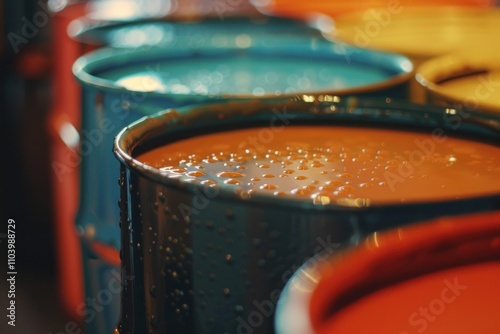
(244, 71)
(419, 31)
(437, 276)
(469, 79)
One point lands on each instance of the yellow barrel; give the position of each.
(418, 32)
(468, 80)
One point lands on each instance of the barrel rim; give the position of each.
(445, 67)
(310, 288)
(349, 110)
(398, 67)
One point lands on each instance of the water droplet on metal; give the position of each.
(229, 214)
(152, 291)
(154, 322)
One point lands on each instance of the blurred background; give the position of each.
(28, 58)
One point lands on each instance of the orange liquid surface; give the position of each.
(327, 164)
(461, 301)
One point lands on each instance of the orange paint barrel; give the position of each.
(438, 277)
(221, 203)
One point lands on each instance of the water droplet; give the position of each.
(232, 182)
(323, 198)
(208, 182)
(317, 164)
(229, 214)
(196, 174)
(154, 322)
(268, 187)
(152, 291)
(302, 191)
(344, 191)
(230, 175)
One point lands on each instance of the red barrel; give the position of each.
(438, 277)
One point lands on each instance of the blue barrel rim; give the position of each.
(106, 58)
